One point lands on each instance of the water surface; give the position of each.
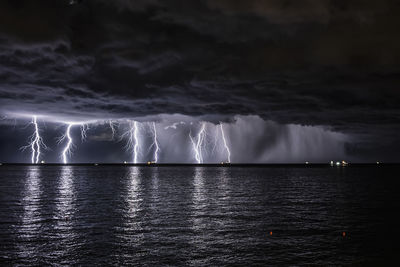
(198, 216)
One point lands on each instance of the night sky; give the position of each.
(290, 81)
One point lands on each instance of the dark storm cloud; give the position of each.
(308, 62)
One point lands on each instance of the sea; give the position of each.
(199, 215)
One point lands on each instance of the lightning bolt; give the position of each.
(132, 143)
(84, 128)
(111, 123)
(196, 151)
(136, 146)
(215, 141)
(198, 143)
(225, 144)
(68, 148)
(67, 151)
(155, 143)
(36, 142)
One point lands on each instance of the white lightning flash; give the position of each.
(84, 129)
(67, 151)
(198, 144)
(225, 144)
(155, 143)
(36, 142)
(112, 127)
(68, 147)
(132, 143)
(215, 141)
(136, 146)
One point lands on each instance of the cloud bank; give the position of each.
(315, 63)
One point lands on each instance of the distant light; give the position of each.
(337, 163)
(43, 162)
(149, 162)
(344, 234)
(306, 162)
(124, 162)
(331, 162)
(377, 162)
(96, 164)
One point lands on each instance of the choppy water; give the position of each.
(198, 216)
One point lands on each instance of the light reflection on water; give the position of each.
(199, 202)
(31, 200)
(199, 219)
(223, 182)
(31, 216)
(65, 206)
(198, 186)
(66, 195)
(196, 216)
(133, 205)
(154, 191)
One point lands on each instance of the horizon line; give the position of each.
(309, 164)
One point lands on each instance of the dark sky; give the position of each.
(295, 67)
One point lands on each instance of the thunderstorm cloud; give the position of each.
(293, 70)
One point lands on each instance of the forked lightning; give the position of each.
(35, 143)
(198, 143)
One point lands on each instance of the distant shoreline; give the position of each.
(262, 165)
